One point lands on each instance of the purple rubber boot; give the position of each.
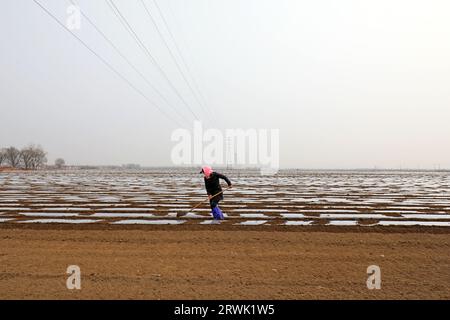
(217, 213)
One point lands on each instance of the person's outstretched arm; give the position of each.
(221, 176)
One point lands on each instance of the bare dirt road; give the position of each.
(208, 263)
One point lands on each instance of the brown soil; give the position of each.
(221, 263)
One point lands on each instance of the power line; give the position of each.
(128, 61)
(105, 62)
(172, 55)
(202, 98)
(147, 52)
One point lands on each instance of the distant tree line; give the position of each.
(30, 158)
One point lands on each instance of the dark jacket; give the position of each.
(212, 185)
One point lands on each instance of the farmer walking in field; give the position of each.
(214, 190)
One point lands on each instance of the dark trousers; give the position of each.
(214, 203)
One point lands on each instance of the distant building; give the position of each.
(131, 166)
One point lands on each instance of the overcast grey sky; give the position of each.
(348, 83)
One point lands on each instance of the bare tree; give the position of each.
(33, 157)
(26, 155)
(12, 157)
(2, 156)
(59, 163)
(39, 158)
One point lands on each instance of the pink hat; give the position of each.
(206, 170)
